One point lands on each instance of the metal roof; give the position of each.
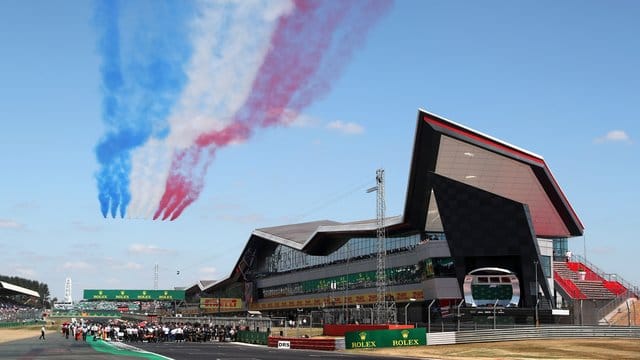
(8, 289)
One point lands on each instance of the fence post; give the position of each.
(429, 315)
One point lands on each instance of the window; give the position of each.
(545, 262)
(285, 258)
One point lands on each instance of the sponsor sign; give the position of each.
(284, 345)
(221, 304)
(131, 295)
(369, 339)
(335, 300)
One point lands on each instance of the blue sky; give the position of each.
(556, 78)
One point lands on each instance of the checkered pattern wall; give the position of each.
(484, 229)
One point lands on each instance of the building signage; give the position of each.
(334, 300)
(134, 295)
(221, 304)
(369, 339)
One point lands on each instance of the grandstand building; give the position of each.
(483, 222)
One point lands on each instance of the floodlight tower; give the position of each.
(381, 278)
(68, 297)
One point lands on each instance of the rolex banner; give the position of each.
(132, 295)
(367, 339)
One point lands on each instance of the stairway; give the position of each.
(563, 270)
(592, 289)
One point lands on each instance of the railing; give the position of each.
(261, 324)
(527, 333)
(633, 289)
(569, 287)
(606, 309)
(21, 323)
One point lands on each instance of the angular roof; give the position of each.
(296, 234)
(471, 157)
(8, 289)
(299, 236)
(201, 285)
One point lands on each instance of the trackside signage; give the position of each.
(221, 304)
(131, 295)
(369, 339)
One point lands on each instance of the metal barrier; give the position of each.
(531, 333)
(20, 324)
(604, 312)
(633, 289)
(261, 324)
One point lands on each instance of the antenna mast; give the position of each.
(155, 277)
(382, 308)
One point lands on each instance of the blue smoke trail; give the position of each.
(144, 46)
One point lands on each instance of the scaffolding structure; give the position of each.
(384, 308)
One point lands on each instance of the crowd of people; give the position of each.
(127, 331)
(11, 310)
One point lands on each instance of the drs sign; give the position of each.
(368, 339)
(284, 345)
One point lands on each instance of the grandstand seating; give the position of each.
(592, 286)
(12, 311)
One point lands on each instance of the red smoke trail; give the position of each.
(304, 58)
(184, 185)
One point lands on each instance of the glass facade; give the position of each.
(285, 258)
(560, 247)
(406, 274)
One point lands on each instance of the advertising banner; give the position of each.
(221, 304)
(369, 339)
(133, 295)
(336, 300)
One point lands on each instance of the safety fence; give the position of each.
(92, 313)
(20, 323)
(531, 333)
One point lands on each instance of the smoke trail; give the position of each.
(308, 50)
(230, 40)
(141, 77)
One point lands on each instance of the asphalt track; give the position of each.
(54, 347)
(57, 347)
(239, 351)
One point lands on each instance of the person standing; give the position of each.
(42, 331)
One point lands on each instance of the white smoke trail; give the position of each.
(230, 40)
